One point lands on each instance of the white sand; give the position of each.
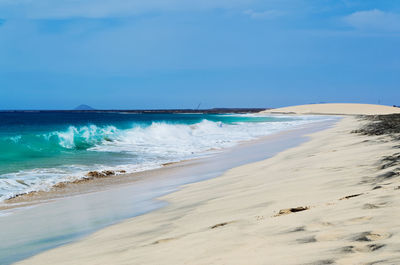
(232, 219)
(337, 108)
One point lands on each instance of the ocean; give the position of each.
(41, 149)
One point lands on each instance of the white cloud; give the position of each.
(268, 14)
(375, 20)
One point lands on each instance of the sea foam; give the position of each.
(139, 147)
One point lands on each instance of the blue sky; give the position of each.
(56, 54)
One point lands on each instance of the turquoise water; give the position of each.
(40, 149)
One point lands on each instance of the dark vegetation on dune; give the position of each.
(381, 125)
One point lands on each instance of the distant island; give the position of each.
(84, 107)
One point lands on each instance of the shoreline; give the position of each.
(95, 181)
(328, 201)
(124, 201)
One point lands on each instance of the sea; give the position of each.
(40, 149)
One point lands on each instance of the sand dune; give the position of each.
(332, 200)
(337, 108)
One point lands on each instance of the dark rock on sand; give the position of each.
(108, 172)
(94, 174)
(351, 196)
(292, 210)
(219, 225)
(102, 174)
(60, 185)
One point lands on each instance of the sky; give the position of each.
(135, 54)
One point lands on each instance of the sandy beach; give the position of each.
(336, 108)
(331, 200)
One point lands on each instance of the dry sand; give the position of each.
(319, 203)
(336, 108)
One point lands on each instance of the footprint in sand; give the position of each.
(369, 206)
(322, 262)
(357, 220)
(306, 240)
(297, 229)
(371, 236)
(319, 225)
(364, 249)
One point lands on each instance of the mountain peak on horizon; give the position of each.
(84, 107)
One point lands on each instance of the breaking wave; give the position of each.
(140, 147)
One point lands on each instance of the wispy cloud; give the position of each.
(268, 14)
(374, 20)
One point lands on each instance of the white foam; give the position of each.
(151, 146)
